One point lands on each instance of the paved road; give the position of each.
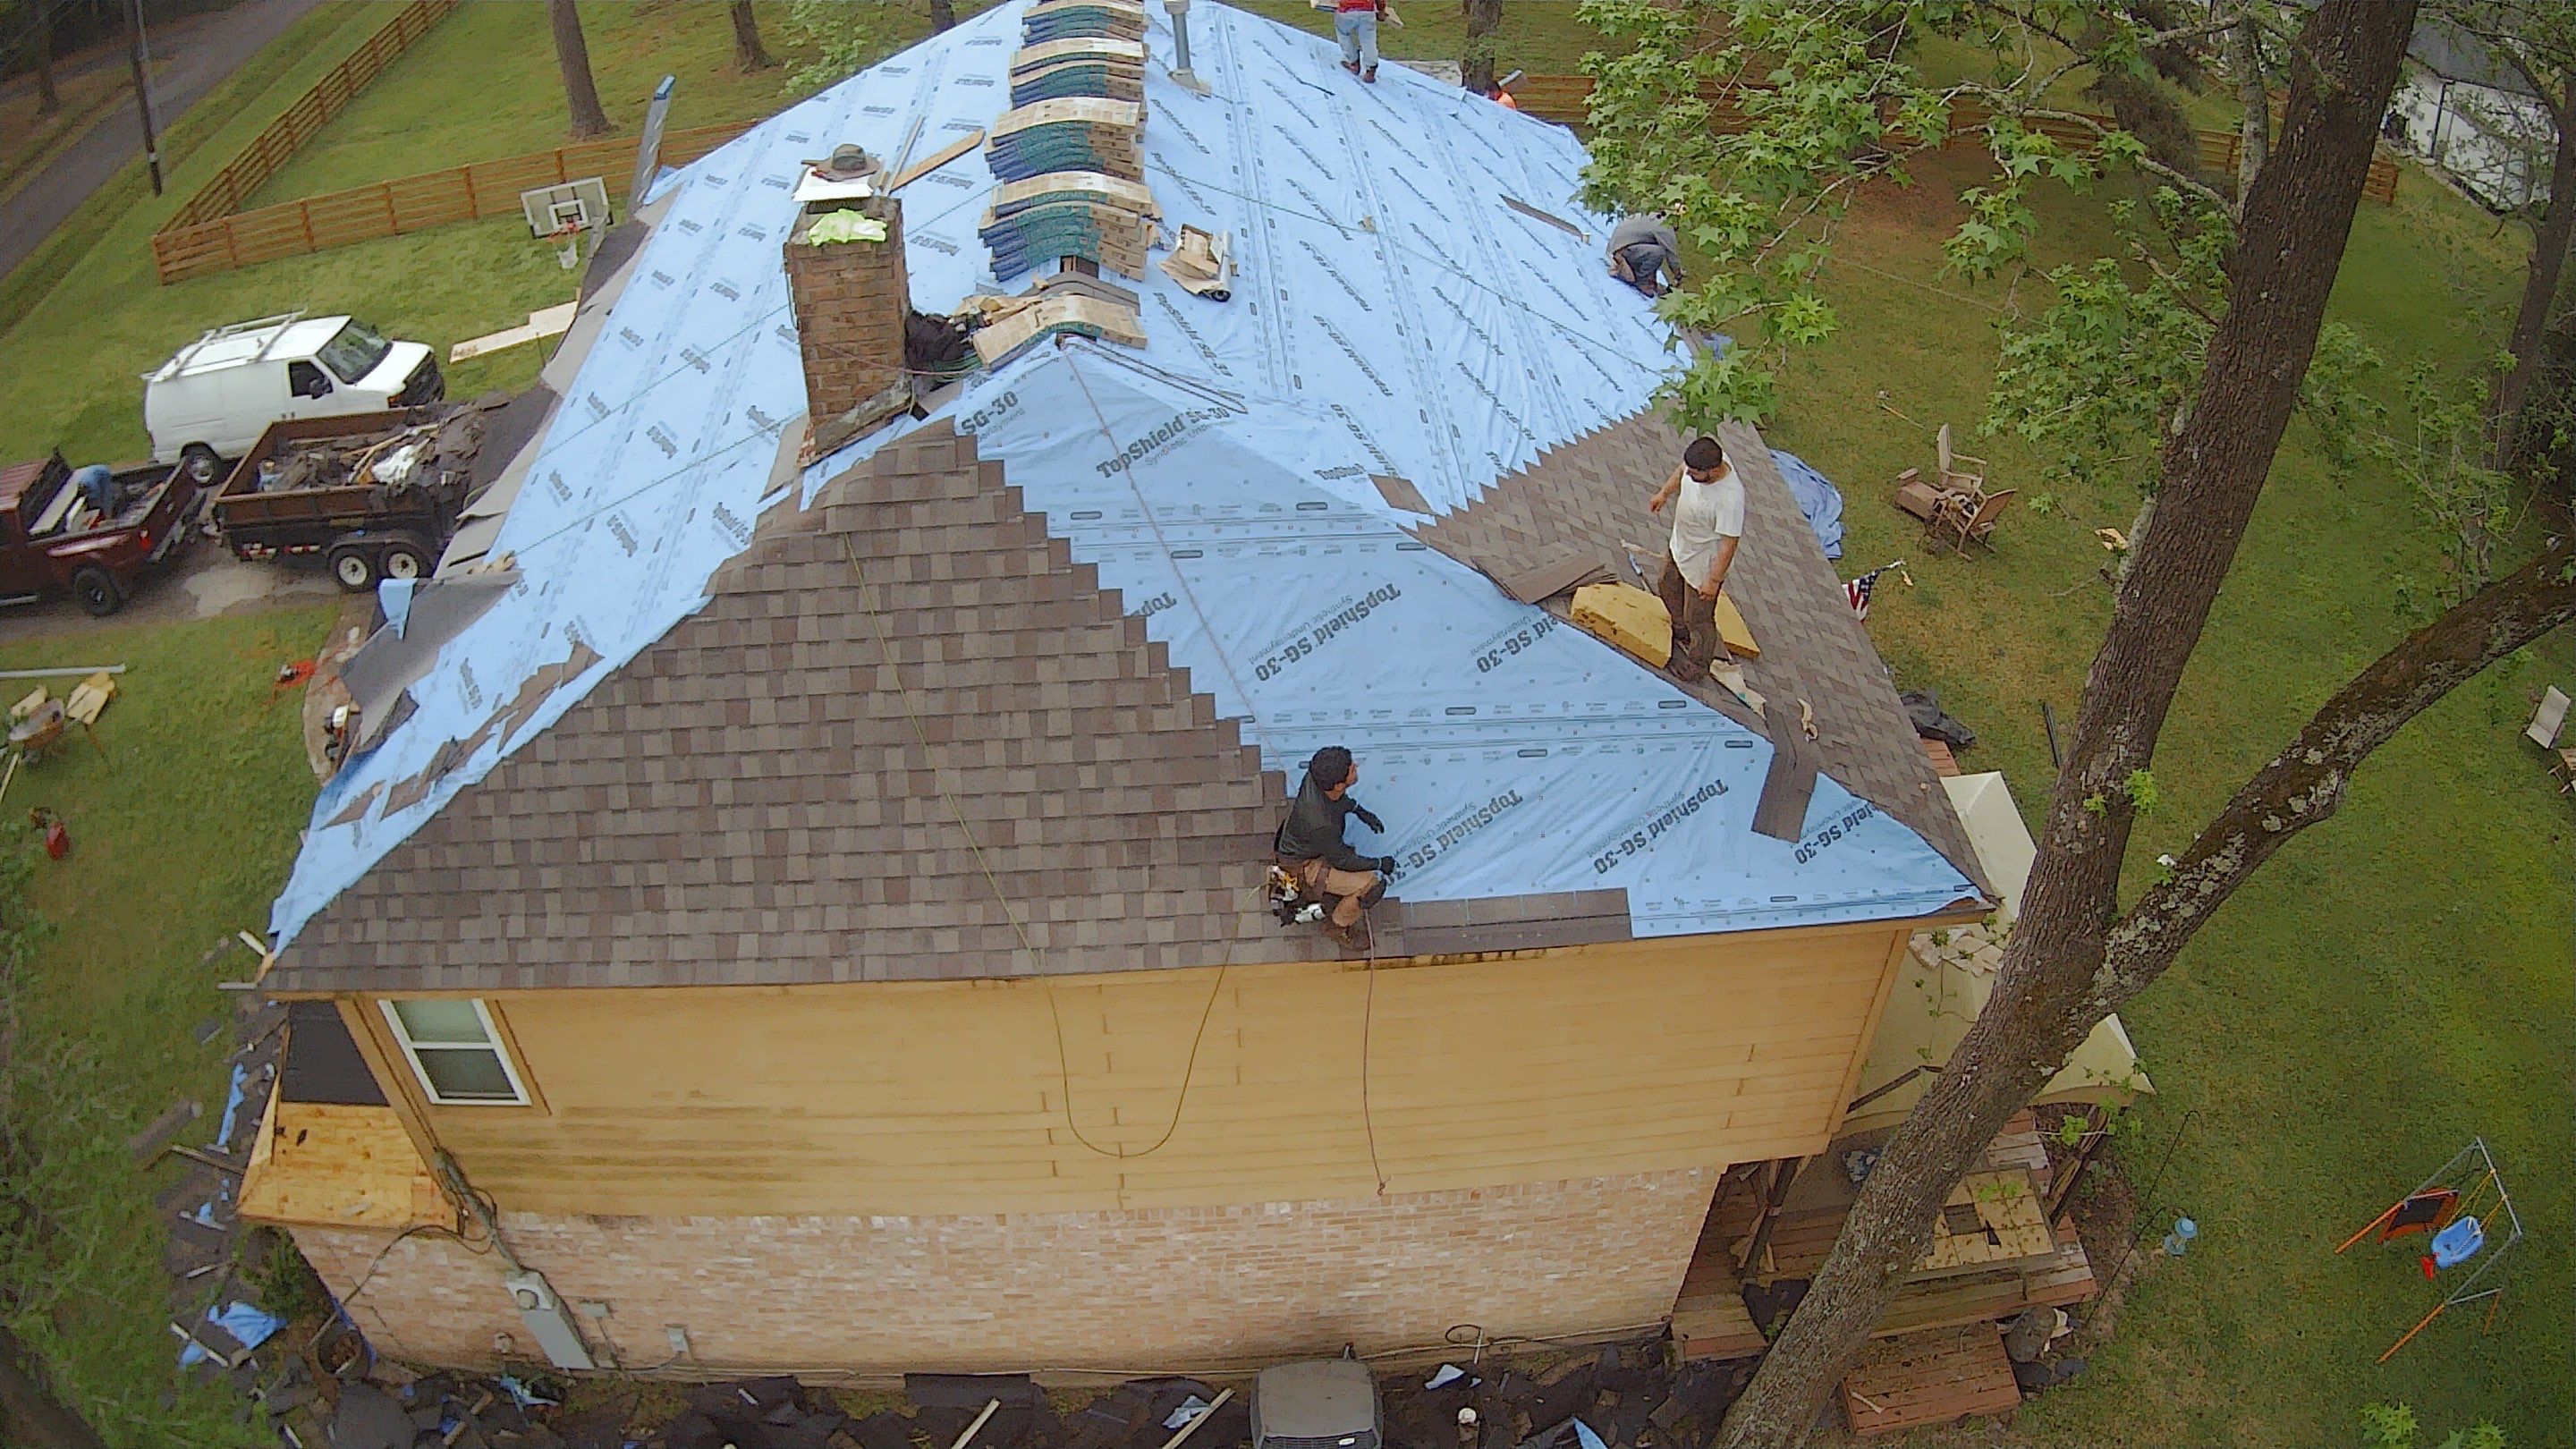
(188, 65)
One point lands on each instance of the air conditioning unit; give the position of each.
(548, 1320)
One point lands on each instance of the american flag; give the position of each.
(1856, 591)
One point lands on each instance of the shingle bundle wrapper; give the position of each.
(1078, 134)
(1029, 321)
(1078, 78)
(1072, 19)
(1108, 235)
(1127, 53)
(1109, 69)
(1014, 197)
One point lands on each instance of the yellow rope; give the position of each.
(957, 811)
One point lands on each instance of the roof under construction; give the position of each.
(1021, 688)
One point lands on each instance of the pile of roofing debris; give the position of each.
(1620, 1397)
(438, 453)
(216, 1330)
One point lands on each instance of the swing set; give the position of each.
(2456, 1206)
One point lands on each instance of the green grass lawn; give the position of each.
(2395, 982)
(503, 56)
(181, 834)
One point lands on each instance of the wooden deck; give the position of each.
(1709, 1319)
(1929, 1378)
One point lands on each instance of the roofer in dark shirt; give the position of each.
(1310, 846)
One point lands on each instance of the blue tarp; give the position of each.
(244, 1321)
(1817, 498)
(1395, 315)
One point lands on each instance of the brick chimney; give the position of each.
(851, 300)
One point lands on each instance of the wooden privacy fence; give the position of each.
(1566, 97)
(408, 204)
(271, 149)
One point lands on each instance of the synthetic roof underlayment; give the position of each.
(1421, 299)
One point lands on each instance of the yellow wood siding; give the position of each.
(953, 1097)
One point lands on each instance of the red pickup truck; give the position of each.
(52, 542)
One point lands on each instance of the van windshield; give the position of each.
(354, 352)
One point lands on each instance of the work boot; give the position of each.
(1352, 66)
(1346, 937)
(1369, 75)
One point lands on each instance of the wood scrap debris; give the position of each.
(542, 323)
(90, 696)
(1203, 263)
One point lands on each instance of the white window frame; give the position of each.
(493, 1042)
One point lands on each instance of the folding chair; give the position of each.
(2549, 719)
(1953, 476)
(1965, 518)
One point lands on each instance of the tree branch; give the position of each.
(2304, 784)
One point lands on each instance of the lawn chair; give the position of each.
(2549, 719)
(1954, 476)
(1966, 518)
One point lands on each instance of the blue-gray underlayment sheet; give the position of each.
(1395, 314)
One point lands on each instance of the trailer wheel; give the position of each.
(202, 464)
(404, 559)
(354, 566)
(97, 591)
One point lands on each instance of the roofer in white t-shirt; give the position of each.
(1708, 519)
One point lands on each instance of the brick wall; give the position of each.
(851, 300)
(1138, 1290)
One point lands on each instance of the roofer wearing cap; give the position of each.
(1310, 846)
(1708, 519)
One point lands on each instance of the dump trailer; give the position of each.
(54, 541)
(376, 494)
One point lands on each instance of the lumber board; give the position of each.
(1931, 1377)
(341, 1166)
(937, 159)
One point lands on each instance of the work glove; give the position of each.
(1369, 819)
(1386, 865)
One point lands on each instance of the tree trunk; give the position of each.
(2549, 250)
(2047, 997)
(40, 41)
(581, 94)
(1476, 65)
(943, 15)
(29, 1412)
(2254, 133)
(748, 53)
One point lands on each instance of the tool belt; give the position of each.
(1292, 899)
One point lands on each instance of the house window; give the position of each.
(456, 1051)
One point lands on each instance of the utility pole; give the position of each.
(135, 51)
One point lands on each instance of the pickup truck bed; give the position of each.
(51, 544)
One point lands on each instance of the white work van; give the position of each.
(219, 393)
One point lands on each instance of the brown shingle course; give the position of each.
(1590, 495)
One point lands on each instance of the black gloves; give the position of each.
(1386, 865)
(1368, 818)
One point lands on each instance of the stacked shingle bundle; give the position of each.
(1074, 134)
(1086, 214)
(1067, 19)
(1082, 66)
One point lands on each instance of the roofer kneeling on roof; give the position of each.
(1643, 250)
(1310, 848)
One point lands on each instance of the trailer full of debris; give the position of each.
(376, 494)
